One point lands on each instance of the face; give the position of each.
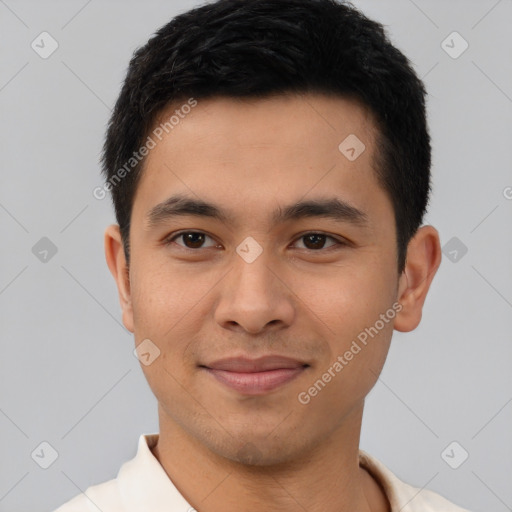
(287, 291)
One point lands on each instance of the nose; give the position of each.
(254, 297)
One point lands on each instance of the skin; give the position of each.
(223, 449)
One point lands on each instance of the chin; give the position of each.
(258, 450)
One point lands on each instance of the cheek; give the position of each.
(165, 312)
(170, 307)
(346, 299)
(349, 304)
(162, 295)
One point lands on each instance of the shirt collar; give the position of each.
(399, 494)
(144, 484)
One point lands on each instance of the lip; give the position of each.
(255, 376)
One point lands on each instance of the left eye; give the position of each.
(195, 239)
(317, 239)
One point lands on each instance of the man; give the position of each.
(269, 164)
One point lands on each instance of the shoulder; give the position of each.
(104, 497)
(404, 497)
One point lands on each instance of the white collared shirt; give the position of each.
(142, 485)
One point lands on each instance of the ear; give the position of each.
(423, 260)
(116, 261)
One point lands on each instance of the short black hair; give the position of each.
(260, 48)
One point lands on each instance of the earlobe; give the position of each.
(116, 261)
(423, 260)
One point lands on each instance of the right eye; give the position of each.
(195, 239)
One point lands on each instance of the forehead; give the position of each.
(294, 118)
(251, 153)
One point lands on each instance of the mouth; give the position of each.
(255, 376)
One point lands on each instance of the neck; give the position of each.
(325, 478)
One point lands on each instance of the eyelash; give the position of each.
(173, 236)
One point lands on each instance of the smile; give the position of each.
(255, 376)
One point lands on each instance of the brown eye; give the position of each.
(194, 240)
(316, 241)
(191, 239)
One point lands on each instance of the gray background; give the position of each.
(68, 374)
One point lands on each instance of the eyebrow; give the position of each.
(332, 208)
